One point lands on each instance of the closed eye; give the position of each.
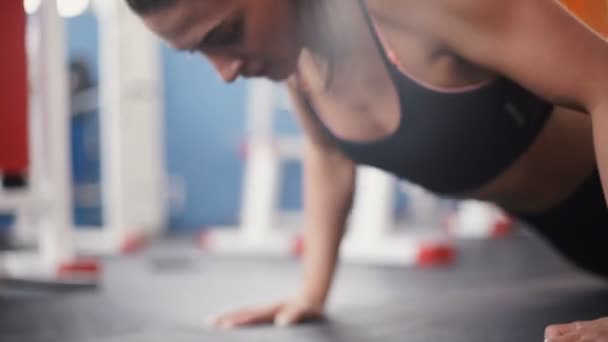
(227, 33)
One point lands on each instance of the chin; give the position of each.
(281, 72)
(278, 78)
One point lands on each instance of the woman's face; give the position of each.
(249, 38)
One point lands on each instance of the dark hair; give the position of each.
(143, 7)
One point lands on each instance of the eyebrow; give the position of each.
(186, 27)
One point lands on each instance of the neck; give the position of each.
(316, 28)
(329, 31)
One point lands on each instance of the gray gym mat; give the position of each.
(499, 291)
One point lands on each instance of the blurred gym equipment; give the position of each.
(39, 154)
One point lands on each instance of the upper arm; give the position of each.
(320, 153)
(536, 43)
(313, 132)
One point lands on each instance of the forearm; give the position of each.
(329, 187)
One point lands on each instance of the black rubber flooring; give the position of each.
(499, 291)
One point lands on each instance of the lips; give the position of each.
(258, 71)
(272, 72)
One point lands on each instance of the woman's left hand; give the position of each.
(591, 331)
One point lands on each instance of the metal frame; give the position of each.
(45, 207)
(134, 194)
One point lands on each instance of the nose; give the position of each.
(228, 67)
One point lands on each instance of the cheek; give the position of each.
(281, 44)
(273, 36)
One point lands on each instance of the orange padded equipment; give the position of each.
(593, 12)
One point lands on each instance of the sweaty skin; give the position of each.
(444, 43)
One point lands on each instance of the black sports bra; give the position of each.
(450, 141)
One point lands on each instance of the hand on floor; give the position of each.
(281, 314)
(591, 331)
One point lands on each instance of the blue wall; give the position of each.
(205, 125)
(83, 40)
(204, 121)
(83, 44)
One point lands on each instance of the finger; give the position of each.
(571, 337)
(562, 329)
(217, 320)
(602, 321)
(232, 320)
(289, 316)
(297, 314)
(222, 318)
(247, 317)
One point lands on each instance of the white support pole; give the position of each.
(56, 239)
(372, 214)
(142, 124)
(480, 220)
(261, 101)
(262, 174)
(373, 237)
(260, 197)
(133, 181)
(259, 233)
(111, 135)
(262, 170)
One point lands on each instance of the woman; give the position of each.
(493, 100)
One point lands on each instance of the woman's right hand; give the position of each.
(281, 314)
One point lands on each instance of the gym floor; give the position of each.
(506, 290)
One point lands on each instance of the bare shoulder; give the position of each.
(436, 17)
(441, 22)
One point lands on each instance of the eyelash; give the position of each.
(224, 35)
